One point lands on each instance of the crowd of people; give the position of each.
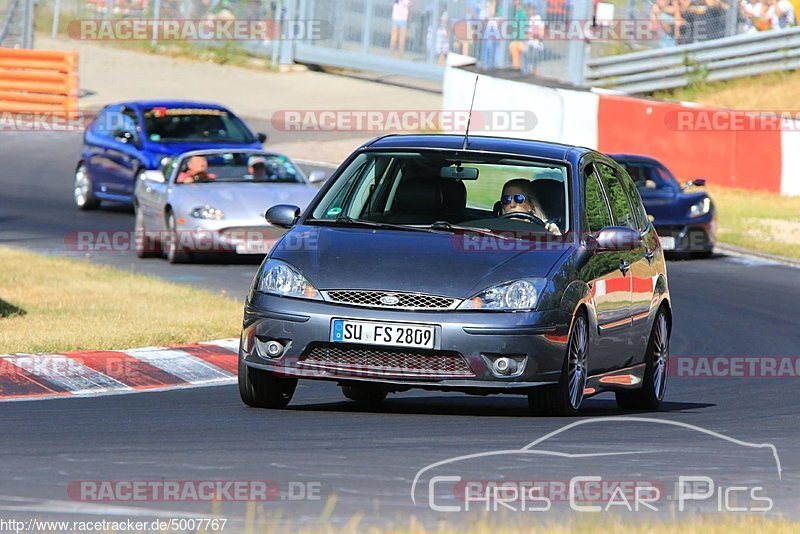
(686, 21)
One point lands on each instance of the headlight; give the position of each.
(701, 208)
(207, 212)
(280, 278)
(516, 295)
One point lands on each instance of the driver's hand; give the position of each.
(552, 228)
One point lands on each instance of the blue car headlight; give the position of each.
(520, 294)
(700, 208)
(279, 278)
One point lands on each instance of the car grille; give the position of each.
(357, 360)
(399, 301)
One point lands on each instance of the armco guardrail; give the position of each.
(678, 66)
(38, 80)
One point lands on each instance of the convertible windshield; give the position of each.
(163, 124)
(449, 192)
(237, 167)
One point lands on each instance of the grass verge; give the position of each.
(766, 92)
(760, 221)
(64, 304)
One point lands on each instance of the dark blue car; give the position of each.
(128, 138)
(685, 219)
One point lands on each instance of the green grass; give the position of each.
(56, 304)
(759, 221)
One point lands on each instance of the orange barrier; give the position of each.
(38, 80)
(668, 131)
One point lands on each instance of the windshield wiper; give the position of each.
(346, 220)
(453, 228)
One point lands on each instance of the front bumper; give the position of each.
(466, 344)
(690, 236)
(228, 236)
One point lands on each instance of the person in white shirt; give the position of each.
(780, 13)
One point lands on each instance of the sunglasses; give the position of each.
(506, 199)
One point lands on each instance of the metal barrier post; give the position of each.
(56, 16)
(576, 52)
(27, 30)
(289, 12)
(156, 15)
(366, 31)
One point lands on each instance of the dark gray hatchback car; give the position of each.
(485, 266)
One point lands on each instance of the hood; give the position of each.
(176, 149)
(437, 263)
(672, 208)
(243, 200)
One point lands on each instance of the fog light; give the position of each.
(274, 349)
(505, 366)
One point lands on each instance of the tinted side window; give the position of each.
(620, 208)
(100, 124)
(636, 201)
(597, 213)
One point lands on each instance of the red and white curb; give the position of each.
(107, 372)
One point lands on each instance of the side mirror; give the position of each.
(317, 177)
(154, 176)
(614, 239)
(124, 136)
(698, 182)
(282, 215)
(262, 137)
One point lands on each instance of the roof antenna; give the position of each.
(469, 119)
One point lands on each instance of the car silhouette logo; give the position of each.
(390, 300)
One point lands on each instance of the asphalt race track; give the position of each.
(723, 306)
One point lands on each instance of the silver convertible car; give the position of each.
(214, 202)
(481, 265)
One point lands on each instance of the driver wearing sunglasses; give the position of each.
(517, 197)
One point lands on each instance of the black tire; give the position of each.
(175, 254)
(262, 389)
(145, 245)
(564, 399)
(654, 384)
(364, 393)
(82, 190)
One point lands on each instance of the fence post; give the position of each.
(156, 25)
(27, 31)
(56, 16)
(576, 51)
(732, 19)
(366, 29)
(287, 46)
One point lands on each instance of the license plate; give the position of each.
(388, 334)
(668, 243)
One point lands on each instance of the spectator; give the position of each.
(780, 13)
(714, 18)
(753, 14)
(534, 48)
(665, 21)
(517, 46)
(686, 27)
(400, 11)
(491, 34)
(556, 10)
(442, 46)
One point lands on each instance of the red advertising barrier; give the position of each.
(693, 142)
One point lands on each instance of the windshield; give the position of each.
(649, 177)
(191, 124)
(476, 191)
(238, 167)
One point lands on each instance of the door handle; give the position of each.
(649, 255)
(624, 266)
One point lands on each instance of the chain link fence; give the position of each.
(16, 23)
(547, 38)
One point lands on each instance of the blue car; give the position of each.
(129, 138)
(685, 219)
